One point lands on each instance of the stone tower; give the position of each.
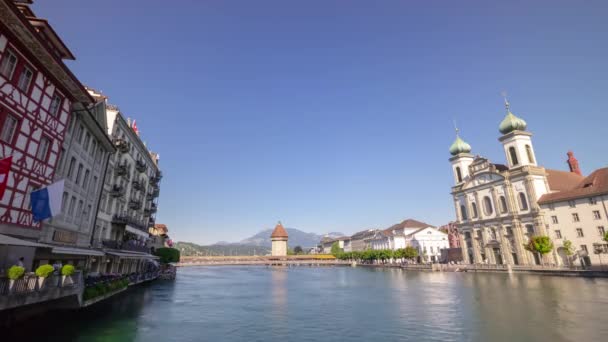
(279, 241)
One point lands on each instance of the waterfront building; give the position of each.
(279, 240)
(361, 241)
(159, 236)
(496, 205)
(427, 239)
(128, 201)
(327, 242)
(453, 236)
(578, 212)
(82, 165)
(37, 93)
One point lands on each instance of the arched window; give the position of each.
(513, 156)
(529, 152)
(474, 210)
(487, 206)
(463, 212)
(458, 174)
(523, 203)
(503, 204)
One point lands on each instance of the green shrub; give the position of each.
(16, 272)
(89, 293)
(67, 270)
(45, 271)
(167, 255)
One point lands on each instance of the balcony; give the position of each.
(147, 212)
(120, 169)
(153, 208)
(135, 246)
(149, 197)
(154, 180)
(121, 145)
(31, 289)
(137, 185)
(117, 191)
(131, 221)
(135, 204)
(141, 166)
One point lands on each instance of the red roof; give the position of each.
(279, 231)
(409, 223)
(562, 180)
(594, 184)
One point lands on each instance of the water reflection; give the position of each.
(337, 304)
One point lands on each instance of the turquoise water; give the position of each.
(337, 304)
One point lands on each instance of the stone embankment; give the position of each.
(290, 260)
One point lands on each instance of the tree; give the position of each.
(290, 251)
(298, 250)
(568, 250)
(335, 248)
(540, 244)
(410, 252)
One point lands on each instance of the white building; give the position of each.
(427, 239)
(128, 201)
(579, 213)
(279, 240)
(82, 164)
(496, 205)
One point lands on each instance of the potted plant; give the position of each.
(67, 271)
(14, 273)
(43, 272)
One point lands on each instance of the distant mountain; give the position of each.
(296, 238)
(192, 249)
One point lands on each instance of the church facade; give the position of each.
(496, 205)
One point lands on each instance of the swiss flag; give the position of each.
(134, 126)
(5, 168)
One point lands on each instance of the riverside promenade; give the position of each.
(290, 260)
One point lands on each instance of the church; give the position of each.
(497, 205)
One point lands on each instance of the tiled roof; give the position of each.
(409, 223)
(279, 231)
(363, 234)
(594, 184)
(562, 180)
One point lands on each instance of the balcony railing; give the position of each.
(121, 145)
(147, 212)
(32, 284)
(131, 221)
(137, 185)
(120, 169)
(154, 180)
(135, 246)
(153, 208)
(135, 204)
(117, 191)
(141, 166)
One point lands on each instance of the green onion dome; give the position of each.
(459, 146)
(511, 123)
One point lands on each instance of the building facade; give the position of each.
(37, 92)
(496, 205)
(579, 214)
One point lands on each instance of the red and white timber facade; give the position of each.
(37, 92)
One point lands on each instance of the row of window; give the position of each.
(85, 139)
(513, 155)
(17, 71)
(72, 206)
(8, 134)
(85, 180)
(596, 216)
(572, 203)
(489, 209)
(579, 232)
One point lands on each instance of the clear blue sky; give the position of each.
(336, 115)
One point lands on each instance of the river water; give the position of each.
(337, 304)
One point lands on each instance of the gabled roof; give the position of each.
(279, 231)
(594, 184)
(562, 180)
(409, 223)
(421, 229)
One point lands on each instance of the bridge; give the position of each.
(290, 260)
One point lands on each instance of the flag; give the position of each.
(134, 126)
(46, 202)
(5, 168)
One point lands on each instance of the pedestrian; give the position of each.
(20, 262)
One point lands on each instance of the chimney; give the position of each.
(573, 164)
